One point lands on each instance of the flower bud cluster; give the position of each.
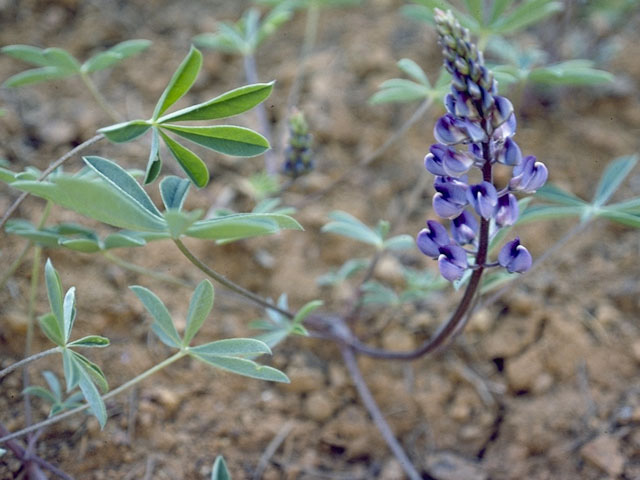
(298, 153)
(476, 132)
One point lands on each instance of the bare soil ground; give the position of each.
(543, 384)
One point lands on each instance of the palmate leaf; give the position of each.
(230, 140)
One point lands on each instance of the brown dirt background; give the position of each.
(543, 384)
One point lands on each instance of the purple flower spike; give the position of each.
(451, 196)
(510, 153)
(433, 237)
(464, 228)
(446, 161)
(515, 257)
(529, 175)
(452, 262)
(484, 199)
(507, 211)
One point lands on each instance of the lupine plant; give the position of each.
(474, 138)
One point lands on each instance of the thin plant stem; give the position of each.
(26, 456)
(228, 283)
(308, 43)
(397, 135)
(31, 314)
(100, 100)
(27, 360)
(251, 74)
(146, 271)
(47, 171)
(377, 416)
(293, 99)
(14, 266)
(461, 314)
(356, 302)
(55, 419)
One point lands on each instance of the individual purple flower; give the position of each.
(510, 153)
(451, 196)
(430, 239)
(484, 199)
(515, 257)
(506, 130)
(452, 262)
(503, 109)
(507, 210)
(446, 161)
(452, 130)
(464, 228)
(529, 175)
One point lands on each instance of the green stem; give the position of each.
(107, 396)
(14, 206)
(146, 271)
(31, 313)
(226, 282)
(14, 266)
(310, 35)
(251, 74)
(25, 361)
(102, 102)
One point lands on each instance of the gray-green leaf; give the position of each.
(226, 105)
(220, 471)
(244, 367)
(181, 82)
(160, 314)
(173, 191)
(612, 177)
(126, 131)
(227, 139)
(199, 308)
(191, 163)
